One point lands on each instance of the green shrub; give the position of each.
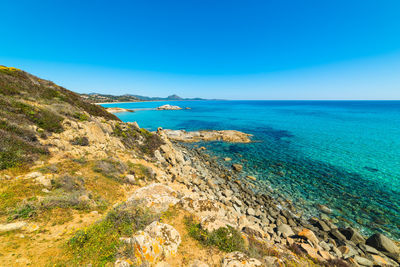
(227, 239)
(24, 212)
(81, 116)
(99, 243)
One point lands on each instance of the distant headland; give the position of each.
(104, 98)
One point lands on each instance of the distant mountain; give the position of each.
(102, 98)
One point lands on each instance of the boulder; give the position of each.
(285, 230)
(168, 237)
(157, 197)
(352, 235)
(130, 178)
(363, 261)
(12, 226)
(237, 167)
(324, 209)
(238, 259)
(156, 241)
(146, 249)
(382, 243)
(312, 252)
(251, 178)
(310, 236)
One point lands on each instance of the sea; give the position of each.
(341, 154)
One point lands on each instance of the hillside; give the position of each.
(78, 187)
(30, 106)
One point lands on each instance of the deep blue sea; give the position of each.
(343, 154)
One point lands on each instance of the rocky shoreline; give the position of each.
(263, 216)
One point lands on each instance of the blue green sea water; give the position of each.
(342, 154)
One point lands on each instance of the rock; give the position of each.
(33, 175)
(168, 107)
(156, 241)
(12, 226)
(285, 230)
(168, 237)
(157, 197)
(146, 249)
(347, 251)
(309, 235)
(325, 255)
(338, 235)
(363, 261)
(251, 211)
(312, 252)
(130, 178)
(251, 178)
(134, 125)
(324, 209)
(197, 263)
(227, 159)
(368, 249)
(270, 261)
(352, 235)
(237, 167)
(43, 180)
(378, 260)
(122, 263)
(238, 259)
(253, 231)
(322, 226)
(382, 243)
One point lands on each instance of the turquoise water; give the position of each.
(343, 154)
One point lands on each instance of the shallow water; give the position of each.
(343, 154)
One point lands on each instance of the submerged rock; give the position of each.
(237, 167)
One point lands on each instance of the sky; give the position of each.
(266, 49)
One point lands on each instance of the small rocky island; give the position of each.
(168, 107)
(208, 135)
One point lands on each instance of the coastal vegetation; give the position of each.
(80, 187)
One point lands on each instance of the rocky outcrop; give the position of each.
(119, 110)
(168, 107)
(157, 197)
(156, 241)
(212, 135)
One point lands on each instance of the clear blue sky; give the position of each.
(342, 49)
